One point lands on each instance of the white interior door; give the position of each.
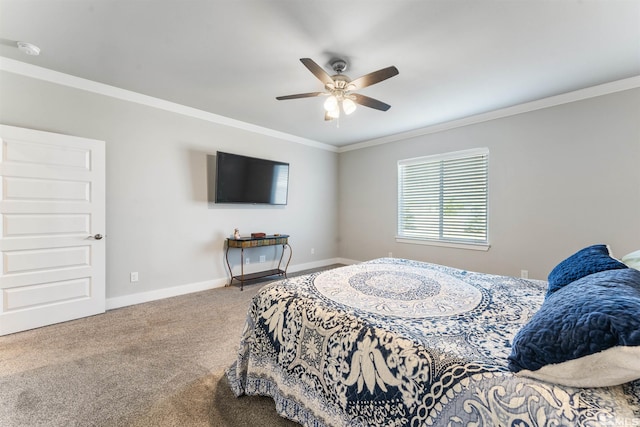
(52, 210)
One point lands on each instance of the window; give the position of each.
(442, 199)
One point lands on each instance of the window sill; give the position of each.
(470, 246)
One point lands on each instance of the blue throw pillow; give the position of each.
(589, 260)
(586, 334)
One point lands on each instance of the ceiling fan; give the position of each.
(340, 88)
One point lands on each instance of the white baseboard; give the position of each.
(174, 291)
(157, 294)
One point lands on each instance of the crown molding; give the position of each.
(552, 101)
(45, 74)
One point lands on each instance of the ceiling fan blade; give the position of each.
(373, 78)
(369, 102)
(299, 95)
(317, 70)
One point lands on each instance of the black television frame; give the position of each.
(252, 173)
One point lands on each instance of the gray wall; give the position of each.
(560, 178)
(159, 222)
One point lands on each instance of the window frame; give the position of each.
(440, 241)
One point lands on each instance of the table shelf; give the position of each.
(256, 242)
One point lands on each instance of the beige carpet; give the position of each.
(156, 364)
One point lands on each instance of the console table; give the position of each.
(254, 242)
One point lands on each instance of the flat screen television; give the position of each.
(242, 179)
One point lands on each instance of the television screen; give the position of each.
(242, 179)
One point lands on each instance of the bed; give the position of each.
(395, 342)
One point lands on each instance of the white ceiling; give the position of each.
(232, 58)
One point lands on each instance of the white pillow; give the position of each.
(632, 260)
(610, 367)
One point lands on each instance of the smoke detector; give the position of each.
(28, 48)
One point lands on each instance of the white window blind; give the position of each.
(444, 197)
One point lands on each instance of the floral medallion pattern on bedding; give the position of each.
(402, 343)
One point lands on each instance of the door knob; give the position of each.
(97, 236)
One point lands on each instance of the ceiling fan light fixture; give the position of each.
(348, 106)
(334, 113)
(331, 103)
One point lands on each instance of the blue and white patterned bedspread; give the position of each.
(394, 342)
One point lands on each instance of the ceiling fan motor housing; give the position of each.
(339, 65)
(340, 81)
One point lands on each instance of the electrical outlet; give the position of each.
(133, 277)
(313, 251)
(262, 258)
(246, 261)
(524, 274)
(390, 254)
